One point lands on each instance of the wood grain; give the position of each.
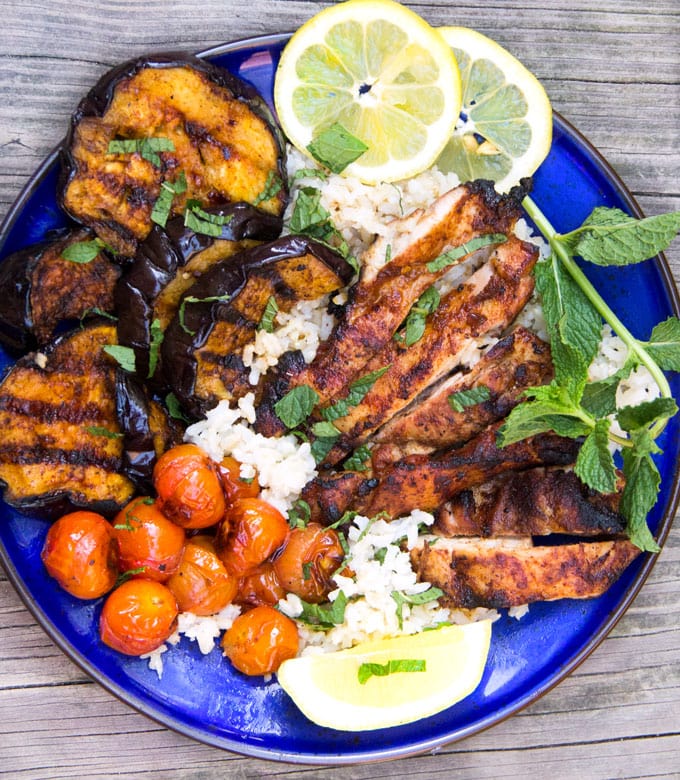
(613, 70)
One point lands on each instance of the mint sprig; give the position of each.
(570, 406)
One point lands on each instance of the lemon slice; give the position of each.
(506, 119)
(380, 72)
(328, 690)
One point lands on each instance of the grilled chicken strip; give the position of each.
(429, 480)
(487, 303)
(517, 361)
(498, 573)
(394, 275)
(536, 502)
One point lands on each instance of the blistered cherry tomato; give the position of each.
(138, 616)
(201, 584)
(260, 640)
(147, 540)
(233, 484)
(81, 553)
(261, 586)
(251, 531)
(308, 561)
(189, 488)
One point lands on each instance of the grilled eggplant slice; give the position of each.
(168, 263)
(203, 345)
(216, 130)
(63, 444)
(497, 573)
(41, 288)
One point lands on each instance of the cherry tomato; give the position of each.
(138, 616)
(260, 640)
(251, 531)
(189, 488)
(308, 561)
(233, 484)
(201, 584)
(261, 586)
(81, 553)
(148, 540)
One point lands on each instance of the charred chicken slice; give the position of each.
(497, 573)
(429, 480)
(517, 361)
(395, 274)
(487, 303)
(536, 502)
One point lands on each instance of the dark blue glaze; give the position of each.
(201, 696)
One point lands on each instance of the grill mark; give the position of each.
(49, 412)
(32, 456)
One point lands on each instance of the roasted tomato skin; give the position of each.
(251, 531)
(307, 562)
(81, 553)
(148, 540)
(138, 616)
(260, 640)
(261, 586)
(188, 487)
(233, 484)
(201, 584)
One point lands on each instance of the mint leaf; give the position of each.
(595, 464)
(268, 315)
(83, 252)
(633, 418)
(124, 356)
(174, 407)
(457, 253)
(368, 670)
(163, 205)
(201, 221)
(355, 395)
(148, 148)
(417, 317)
(599, 398)
(664, 344)
(299, 514)
(325, 430)
(156, 334)
(611, 237)
(321, 447)
(551, 410)
(358, 460)
(640, 491)
(464, 398)
(400, 598)
(272, 187)
(98, 430)
(193, 299)
(324, 615)
(296, 405)
(309, 216)
(335, 147)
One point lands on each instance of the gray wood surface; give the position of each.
(613, 69)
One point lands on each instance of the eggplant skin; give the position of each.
(201, 351)
(226, 143)
(169, 261)
(41, 289)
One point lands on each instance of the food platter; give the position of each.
(201, 696)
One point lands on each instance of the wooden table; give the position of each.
(613, 69)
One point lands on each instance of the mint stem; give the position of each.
(567, 260)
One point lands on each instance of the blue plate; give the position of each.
(202, 696)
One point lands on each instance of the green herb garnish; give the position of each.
(400, 598)
(148, 148)
(296, 405)
(574, 311)
(299, 514)
(192, 299)
(99, 430)
(156, 339)
(201, 221)
(83, 252)
(272, 187)
(464, 398)
(355, 395)
(124, 356)
(335, 147)
(324, 615)
(174, 407)
(417, 317)
(268, 315)
(163, 205)
(368, 670)
(456, 254)
(126, 575)
(358, 460)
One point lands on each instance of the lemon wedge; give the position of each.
(389, 682)
(506, 119)
(381, 73)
